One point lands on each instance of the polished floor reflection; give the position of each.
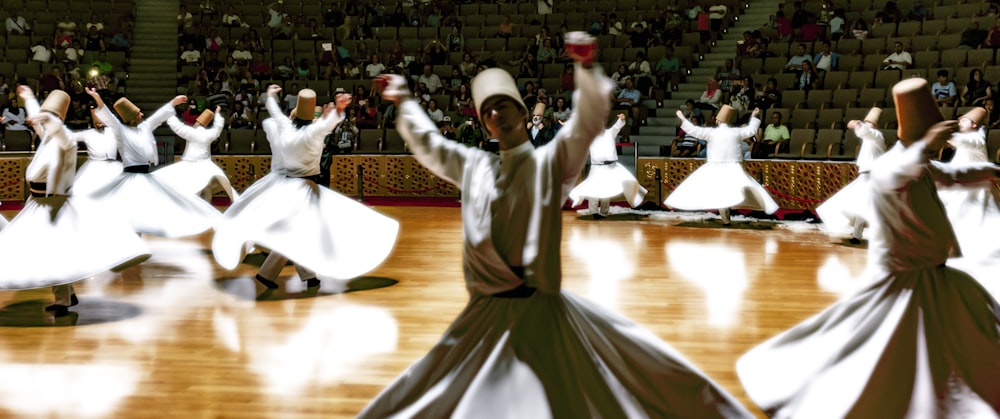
(179, 336)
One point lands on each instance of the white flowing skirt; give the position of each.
(850, 204)
(720, 185)
(607, 181)
(55, 241)
(923, 343)
(153, 207)
(191, 177)
(94, 175)
(551, 355)
(314, 227)
(974, 212)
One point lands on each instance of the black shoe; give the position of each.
(312, 282)
(59, 310)
(73, 300)
(855, 240)
(269, 284)
(599, 216)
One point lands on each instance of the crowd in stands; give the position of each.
(229, 52)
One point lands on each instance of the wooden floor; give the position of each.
(180, 337)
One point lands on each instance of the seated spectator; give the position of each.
(455, 40)
(619, 77)
(447, 128)
(859, 30)
(462, 101)
(711, 97)
(50, 81)
(41, 52)
(972, 36)
(726, 74)
(368, 114)
(546, 52)
(631, 99)
(749, 47)
(103, 65)
(121, 40)
(454, 81)
(375, 67)
(944, 89)
(73, 55)
(794, 64)
(506, 28)
(16, 24)
(826, 60)
(918, 11)
(808, 79)
(770, 96)
(811, 31)
(93, 41)
(642, 73)
(561, 111)
(898, 60)
(65, 31)
(231, 19)
(668, 70)
(686, 144)
(285, 70)
(771, 139)
(471, 133)
(977, 90)
(303, 71)
(437, 52)
(190, 56)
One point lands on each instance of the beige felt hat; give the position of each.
(305, 107)
(126, 110)
(976, 115)
(57, 102)
(916, 110)
(205, 119)
(494, 82)
(539, 109)
(873, 115)
(725, 114)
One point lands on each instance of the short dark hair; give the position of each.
(942, 72)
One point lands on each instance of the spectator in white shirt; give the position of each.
(17, 25)
(898, 60)
(431, 80)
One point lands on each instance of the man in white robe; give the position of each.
(607, 178)
(51, 241)
(102, 165)
(851, 206)
(920, 339)
(523, 347)
(151, 205)
(196, 173)
(325, 234)
(973, 209)
(721, 182)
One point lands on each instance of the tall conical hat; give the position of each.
(94, 119)
(305, 107)
(725, 114)
(873, 115)
(126, 109)
(539, 109)
(57, 102)
(205, 119)
(916, 110)
(976, 115)
(494, 82)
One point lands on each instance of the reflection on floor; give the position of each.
(178, 335)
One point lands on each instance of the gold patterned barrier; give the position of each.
(793, 184)
(382, 175)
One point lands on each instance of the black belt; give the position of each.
(315, 178)
(142, 168)
(37, 189)
(603, 163)
(522, 291)
(864, 172)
